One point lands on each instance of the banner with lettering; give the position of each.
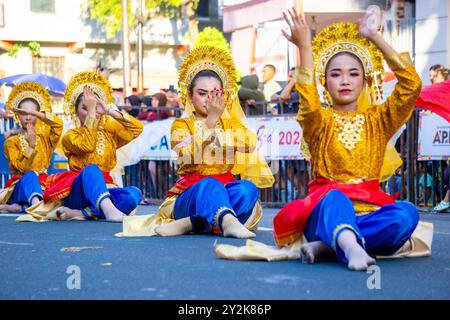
(278, 138)
(434, 137)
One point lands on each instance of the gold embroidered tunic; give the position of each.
(23, 158)
(349, 147)
(209, 151)
(96, 141)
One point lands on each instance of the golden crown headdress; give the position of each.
(32, 90)
(207, 58)
(99, 84)
(345, 36)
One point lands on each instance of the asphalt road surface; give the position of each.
(36, 264)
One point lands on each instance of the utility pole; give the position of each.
(140, 46)
(127, 90)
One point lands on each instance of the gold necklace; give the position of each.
(349, 129)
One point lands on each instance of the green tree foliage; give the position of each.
(214, 37)
(33, 46)
(109, 12)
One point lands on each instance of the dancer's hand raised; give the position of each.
(368, 26)
(300, 31)
(89, 99)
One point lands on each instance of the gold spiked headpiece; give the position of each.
(32, 90)
(345, 37)
(99, 84)
(207, 58)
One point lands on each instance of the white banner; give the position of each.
(434, 137)
(278, 138)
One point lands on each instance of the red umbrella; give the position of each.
(436, 98)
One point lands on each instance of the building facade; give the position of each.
(71, 42)
(421, 27)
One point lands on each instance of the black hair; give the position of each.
(204, 74)
(78, 102)
(134, 100)
(147, 101)
(29, 99)
(162, 99)
(436, 67)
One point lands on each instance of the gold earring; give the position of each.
(327, 98)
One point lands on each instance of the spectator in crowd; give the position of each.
(132, 104)
(172, 100)
(444, 185)
(270, 86)
(438, 73)
(146, 102)
(158, 100)
(288, 98)
(249, 95)
(425, 198)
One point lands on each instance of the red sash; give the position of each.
(59, 184)
(42, 179)
(190, 179)
(290, 222)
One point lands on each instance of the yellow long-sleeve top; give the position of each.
(349, 147)
(23, 158)
(96, 141)
(209, 151)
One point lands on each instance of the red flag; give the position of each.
(436, 98)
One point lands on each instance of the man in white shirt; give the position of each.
(270, 86)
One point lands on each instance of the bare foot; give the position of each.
(175, 228)
(313, 250)
(233, 228)
(112, 214)
(10, 208)
(358, 259)
(66, 214)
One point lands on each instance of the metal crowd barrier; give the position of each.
(430, 179)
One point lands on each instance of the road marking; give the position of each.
(17, 243)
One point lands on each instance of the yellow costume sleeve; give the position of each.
(239, 137)
(399, 106)
(53, 130)
(181, 137)
(125, 129)
(81, 140)
(19, 162)
(309, 114)
(190, 138)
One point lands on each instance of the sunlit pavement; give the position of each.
(36, 262)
